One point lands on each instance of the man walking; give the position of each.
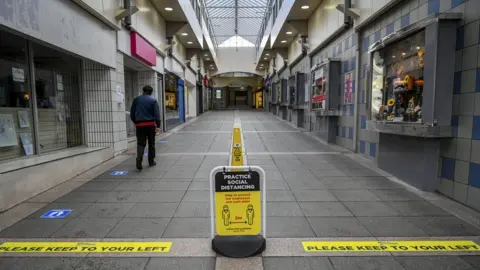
(145, 113)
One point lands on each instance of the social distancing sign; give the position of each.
(237, 152)
(392, 246)
(86, 247)
(238, 209)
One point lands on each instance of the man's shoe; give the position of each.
(139, 164)
(151, 164)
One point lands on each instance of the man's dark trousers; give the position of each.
(144, 134)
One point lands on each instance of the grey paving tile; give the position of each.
(418, 208)
(188, 227)
(193, 209)
(298, 184)
(33, 228)
(147, 173)
(98, 186)
(81, 196)
(39, 263)
(297, 263)
(189, 160)
(274, 175)
(284, 209)
(472, 260)
(203, 173)
(107, 210)
(86, 228)
(280, 196)
(445, 226)
(152, 210)
(314, 196)
(163, 196)
(7, 263)
(325, 173)
(371, 209)
(122, 196)
(370, 263)
(181, 172)
(396, 195)
(392, 227)
(175, 180)
(434, 263)
(302, 173)
(77, 209)
(196, 196)
(277, 185)
(355, 195)
(377, 183)
(134, 186)
(113, 263)
(341, 183)
(324, 209)
(338, 227)
(200, 263)
(199, 185)
(288, 227)
(171, 186)
(139, 228)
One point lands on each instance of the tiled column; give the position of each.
(104, 118)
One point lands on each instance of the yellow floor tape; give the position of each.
(392, 246)
(68, 247)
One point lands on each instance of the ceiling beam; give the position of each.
(236, 17)
(226, 17)
(208, 7)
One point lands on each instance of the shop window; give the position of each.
(16, 114)
(397, 82)
(58, 99)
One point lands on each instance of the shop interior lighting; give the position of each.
(418, 48)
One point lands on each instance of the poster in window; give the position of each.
(59, 82)
(27, 143)
(8, 136)
(23, 120)
(18, 75)
(347, 96)
(218, 94)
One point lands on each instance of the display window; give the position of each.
(291, 90)
(397, 80)
(319, 88)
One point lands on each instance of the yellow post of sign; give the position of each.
(238, 209)
(237, 152)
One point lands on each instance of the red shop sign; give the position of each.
(142, 50)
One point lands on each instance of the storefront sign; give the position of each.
(18, 75)
(347, 97)
(237, 203)
(218, 94)
(57, 213)
(85, 247)
(392, 246)
(142, 49)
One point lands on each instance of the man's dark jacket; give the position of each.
(145, 110)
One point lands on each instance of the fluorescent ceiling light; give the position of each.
(265, 58)
(211, 65)
(168, 9)
(284, 41)
(206, 54)
(184, 34)
(190, 42)
(305, 7)
(289, 33)
(208, 59)
(267, 54)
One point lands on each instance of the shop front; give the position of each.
(410, 83)
(174, 100)
(40, 99)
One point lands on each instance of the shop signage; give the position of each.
(237, 203)
(392, 246)
(56, 213)
(85, 247)
(116, 173)
(142, 50)
(205, 81)
(347, 97)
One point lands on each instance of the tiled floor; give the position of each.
(312, 191)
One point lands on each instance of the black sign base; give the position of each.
(239, 246)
